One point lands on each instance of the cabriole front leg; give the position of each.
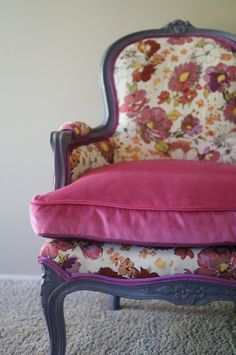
(52, 297)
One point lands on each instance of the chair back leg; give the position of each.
(114, 303)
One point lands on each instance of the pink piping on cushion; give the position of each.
(173, 185)
(142, 243)
(136, 227)
(146, 281)
(128, 206)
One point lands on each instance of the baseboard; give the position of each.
(19, 277)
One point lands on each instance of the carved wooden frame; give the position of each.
(64, 141)
(190, 290)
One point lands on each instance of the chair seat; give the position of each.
(152, 202)
(78, 257)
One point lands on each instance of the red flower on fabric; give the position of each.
(145, 273)
(230, 110)
(142, 274)
(144, 74)
(133, 103)
(184, 252)
(188, 96)
(218, 78)
(163, 97)
(91, 250)
(153, 123)
(107, 271)
(51, 248)
(219, 262)
(184, 76)
(149, 47)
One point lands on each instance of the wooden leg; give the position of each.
(114, 303)
(52, 298)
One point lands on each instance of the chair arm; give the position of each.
(77, 148)
(90, 156)
(79, 129)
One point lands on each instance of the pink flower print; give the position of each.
(217, 262)
(179, 40)
(184, 76)
(191, 126)
(91, 250)
(230, 110)
(134, 103)
(218, 78)
(51, 248)
(71, 265)
(209, 155)
(153, 123)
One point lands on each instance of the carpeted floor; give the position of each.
(140, 328)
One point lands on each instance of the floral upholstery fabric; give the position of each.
(80, 129)
(177, 99)
(90, 156)
(133, 262)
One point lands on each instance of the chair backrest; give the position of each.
(171, 93)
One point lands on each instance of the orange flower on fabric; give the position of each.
(127, 268)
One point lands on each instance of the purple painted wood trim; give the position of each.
(54, 289)
(130, 282)
(63, 142)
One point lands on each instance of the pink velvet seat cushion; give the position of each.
(150, 202)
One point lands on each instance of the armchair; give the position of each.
(145, 204)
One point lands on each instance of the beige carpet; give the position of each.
(140, 328)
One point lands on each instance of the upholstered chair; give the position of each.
(144, 205)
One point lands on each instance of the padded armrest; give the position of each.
(77, 148)
(79, 129)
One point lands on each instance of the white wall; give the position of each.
(49, 64)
